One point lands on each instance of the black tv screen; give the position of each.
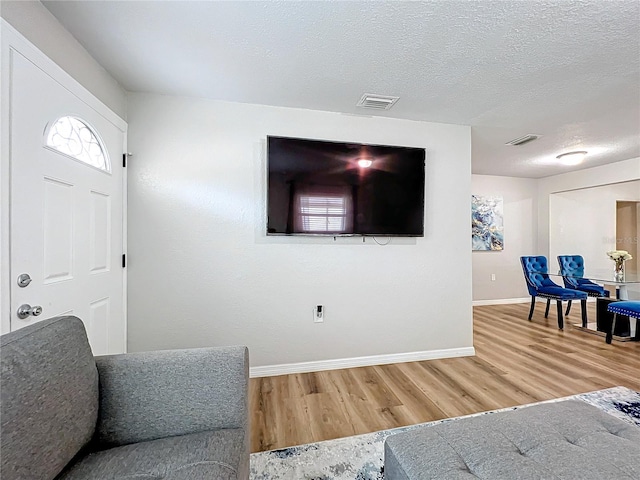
(332, 188)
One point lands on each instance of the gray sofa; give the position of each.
(171, 415)
(563, 440)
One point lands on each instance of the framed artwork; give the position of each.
(487, 230)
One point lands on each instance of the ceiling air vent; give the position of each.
(529, 137)
(377, 102)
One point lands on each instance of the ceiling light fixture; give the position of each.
(572, 158)
(364, 163)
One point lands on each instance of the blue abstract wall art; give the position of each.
(487, 229)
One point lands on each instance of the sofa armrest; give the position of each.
(150, 395)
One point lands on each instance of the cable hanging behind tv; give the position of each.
(317, 187)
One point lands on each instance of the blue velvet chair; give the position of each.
(572, 271)
(630, 308)
(540, 285)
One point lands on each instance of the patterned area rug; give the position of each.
(360, 457)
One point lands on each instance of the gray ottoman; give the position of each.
(563, 440)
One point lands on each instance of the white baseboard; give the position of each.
(501, 301)
(336, 364)
(506, 301)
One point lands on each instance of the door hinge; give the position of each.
(124, 159)
(124, 260)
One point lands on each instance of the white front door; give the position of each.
(66, 214)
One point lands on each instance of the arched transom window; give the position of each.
(73, 137)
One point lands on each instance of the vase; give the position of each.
(618, 270)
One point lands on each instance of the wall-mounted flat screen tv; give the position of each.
(334, 188)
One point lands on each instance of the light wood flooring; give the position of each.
(516, 362)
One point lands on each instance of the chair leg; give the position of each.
(533, 304)
(560, 319)
(546, 310)
(583, 309)
(568, 308)
(613, 325)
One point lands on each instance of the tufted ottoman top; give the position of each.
(562, 440)
(630, 308)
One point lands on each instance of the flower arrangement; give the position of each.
(619, 257)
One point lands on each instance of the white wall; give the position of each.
(597, 186)
(583, 222)
(520, 237)
(618, 172)
(202, 271)
(521, 222)
(41, 28)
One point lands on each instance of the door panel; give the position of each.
(99, 314)
(57, 216)
(100, 233)
(66, 216)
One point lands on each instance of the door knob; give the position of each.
(25, 310)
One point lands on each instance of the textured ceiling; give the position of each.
(568, 70)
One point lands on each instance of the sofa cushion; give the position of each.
(569, 439)
(150, 395)
(199, 456)
(49, 398)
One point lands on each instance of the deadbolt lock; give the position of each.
(24, 280)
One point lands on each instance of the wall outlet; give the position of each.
(318, 314)
(493, 277)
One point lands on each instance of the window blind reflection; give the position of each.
(324, 210)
